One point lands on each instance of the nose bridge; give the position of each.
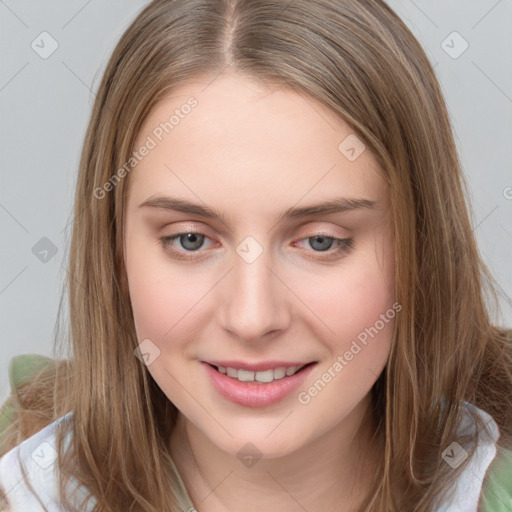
(253, 302)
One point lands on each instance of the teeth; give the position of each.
(264, 376)
(291, 370)
(245, 375)
(279, 373)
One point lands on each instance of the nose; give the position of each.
(254, 300)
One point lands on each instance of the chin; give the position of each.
(259, 445)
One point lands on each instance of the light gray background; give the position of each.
(45, 104)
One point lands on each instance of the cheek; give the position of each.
(367, 296)
(162, 296)
(354, 298)
(360, 314)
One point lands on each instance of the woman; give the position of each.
(276, 299)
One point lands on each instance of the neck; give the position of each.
(332, 472)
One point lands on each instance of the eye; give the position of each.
(322, 243)
(191, 242)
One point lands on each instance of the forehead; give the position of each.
(245, 140)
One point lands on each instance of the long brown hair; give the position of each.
(361, 61)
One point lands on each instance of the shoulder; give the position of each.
(469, 488)
(36, 458)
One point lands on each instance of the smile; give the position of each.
(262, 385)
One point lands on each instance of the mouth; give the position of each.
(257, 385)
(266, 376)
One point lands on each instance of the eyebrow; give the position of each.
(337, 205)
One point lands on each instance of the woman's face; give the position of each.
(267, 278)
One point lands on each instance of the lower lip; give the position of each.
(256, 394)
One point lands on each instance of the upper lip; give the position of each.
(257, 367)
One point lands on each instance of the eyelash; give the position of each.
(344, 245)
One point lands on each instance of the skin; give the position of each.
(251, 152)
